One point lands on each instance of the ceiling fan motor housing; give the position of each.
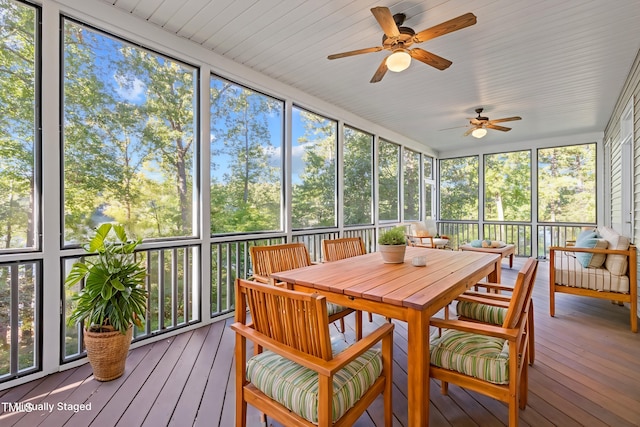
(479, 111)
(405, 39)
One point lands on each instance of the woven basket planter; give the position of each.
(107, 352)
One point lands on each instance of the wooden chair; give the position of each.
(342, 384)
(345, 247)
(472, 354)
(266, 260)
(491, 307)
(423, 233)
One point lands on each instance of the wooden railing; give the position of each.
(173, 288)
(20, 324)
(174, 281)
(517, 233)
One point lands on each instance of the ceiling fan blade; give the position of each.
(355, 52)
(430, 59)
(469, 131)
(506, 119)
(385, 20)
(449, 26)
(496, 127)
(380, 72)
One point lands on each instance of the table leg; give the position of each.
(418, 369)
(496, 275)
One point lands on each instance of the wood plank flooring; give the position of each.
(586, 373)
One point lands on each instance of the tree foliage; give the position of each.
(459, 188)
(507, 183)
(314, 185)
(358, 177)
(388, 181)
(17, 124)
(246, 159)
(567, 184)
(129, 128)
(18, 150)
(411, 177)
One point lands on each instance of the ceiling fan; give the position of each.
(480, 124)
(398, 39)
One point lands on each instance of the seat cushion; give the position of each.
(334, 308)
(478, 356)
(569, 272)
(481, 312)
(296, 387)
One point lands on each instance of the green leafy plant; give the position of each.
(394, 236)
(113, 293)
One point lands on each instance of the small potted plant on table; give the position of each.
(393, 244)
(112, 300)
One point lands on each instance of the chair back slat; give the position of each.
(267, 260)
(522, 291)
(296, 319)
(346, 247)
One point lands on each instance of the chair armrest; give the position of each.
(354, 350)
(494, 287)
(477, 328)
(322, 367)
(553, 249)
(503, 301)
(259, 278)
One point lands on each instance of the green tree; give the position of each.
(18, 149)
(313, 201)
(568, 177)
(245, 180)
(459, 188)
(358, 177)
(128, 137)
(411, 176)
(17, 124)
(169, 123)
(388, 181)
(507, 180)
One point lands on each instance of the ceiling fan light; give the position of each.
(399, 60)
(479, 132)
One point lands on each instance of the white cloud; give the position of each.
(130, 90)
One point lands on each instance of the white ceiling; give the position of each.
(560, 65)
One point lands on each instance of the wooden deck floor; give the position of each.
(587, 373)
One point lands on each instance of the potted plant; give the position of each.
(112, 300)
(393, 245)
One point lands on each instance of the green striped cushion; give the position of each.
(481, 312)
(334, 308)
(475, 355)
(296, 387)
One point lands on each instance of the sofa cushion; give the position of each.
(587, 234)
(590, 260)
(616, 264)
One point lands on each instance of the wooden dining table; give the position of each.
(400, 291)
